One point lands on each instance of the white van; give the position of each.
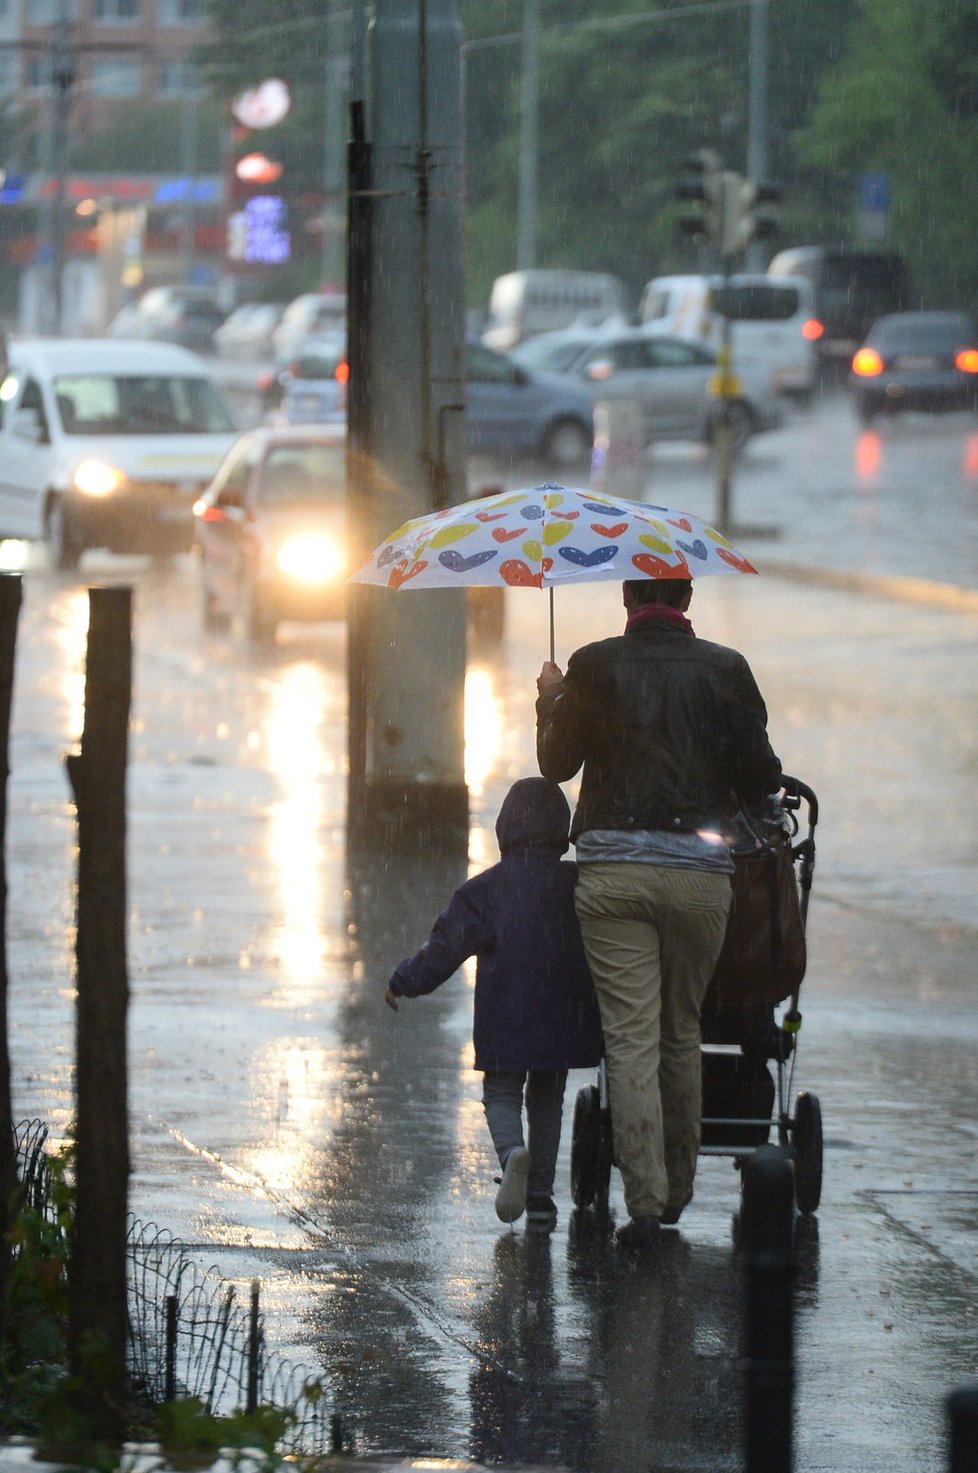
(772, 321)
(524, 303)
(107, 444)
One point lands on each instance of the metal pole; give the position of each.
(63, 81)
(336, 69)
(526, 214)
(188, 168)
(757, 113)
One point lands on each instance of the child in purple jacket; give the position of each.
(536, 1015)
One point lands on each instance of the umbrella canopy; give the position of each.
(548, 536)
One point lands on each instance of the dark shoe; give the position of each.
(639, 1235)
(511, 1197)
(541, 1214)
(671, 1215)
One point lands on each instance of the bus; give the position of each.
(852, 287)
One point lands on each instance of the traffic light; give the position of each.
(749, 212)
(704, 192)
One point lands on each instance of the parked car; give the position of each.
(107, 444)
(271, 531)
(186, 315)
(510, 410)
(190, 324)
(771, 321)
(852, 289)
(313, 312)
(247, 331)
(672, 379)
(916, 360)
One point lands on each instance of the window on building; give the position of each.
(40, 71)
(180, 79)
(49, 12)
(117, 12)
(116, 77)
(181, 12)
(8, 72)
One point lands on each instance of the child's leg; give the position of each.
(544, 1114)
(502, 1100)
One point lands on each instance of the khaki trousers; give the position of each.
(652, 934)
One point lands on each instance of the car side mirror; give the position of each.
(27, 425)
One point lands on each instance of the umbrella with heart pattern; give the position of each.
(548, 536)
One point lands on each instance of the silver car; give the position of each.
(674, 381)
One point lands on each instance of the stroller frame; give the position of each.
(737, 1088)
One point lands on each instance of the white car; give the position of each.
(313, 312)
(107, 444)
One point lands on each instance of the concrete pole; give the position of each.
(526, 213)
(757, 114)
(413, 793)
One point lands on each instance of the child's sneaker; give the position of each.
(511, 1197)
(541, 1214)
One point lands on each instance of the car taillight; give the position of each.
(867, 363)
(342, 374)
(967, 360)
(812, 330)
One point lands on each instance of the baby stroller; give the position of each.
(762, 965)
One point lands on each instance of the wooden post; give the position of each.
(98, 777)
(10, 595)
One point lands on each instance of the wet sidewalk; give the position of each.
(286, 1125)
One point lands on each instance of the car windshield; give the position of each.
(926, 334)
(294, 473)
(139, 404)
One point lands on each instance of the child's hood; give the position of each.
(534, 812)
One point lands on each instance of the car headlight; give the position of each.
(310, 558)
(97, 478)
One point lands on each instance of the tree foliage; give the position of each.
(903, 101)
(629, 88)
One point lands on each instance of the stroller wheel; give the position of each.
(590, 1149)
(806, 1142)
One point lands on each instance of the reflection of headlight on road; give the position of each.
(310, 559)
(96, 478)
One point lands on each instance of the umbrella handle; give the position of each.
(551, 592)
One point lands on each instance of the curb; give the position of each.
(906, 590)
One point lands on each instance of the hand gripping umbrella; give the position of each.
(548, 536)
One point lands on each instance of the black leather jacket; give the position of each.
(671, 731)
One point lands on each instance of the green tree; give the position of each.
(903, 100)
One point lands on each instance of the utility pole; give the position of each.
(526, 214)
(411, 792)
(336, 70)
(757, 113)
(63, 80)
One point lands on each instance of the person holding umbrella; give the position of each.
(671, 733)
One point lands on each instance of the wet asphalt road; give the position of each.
(287, 1124)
